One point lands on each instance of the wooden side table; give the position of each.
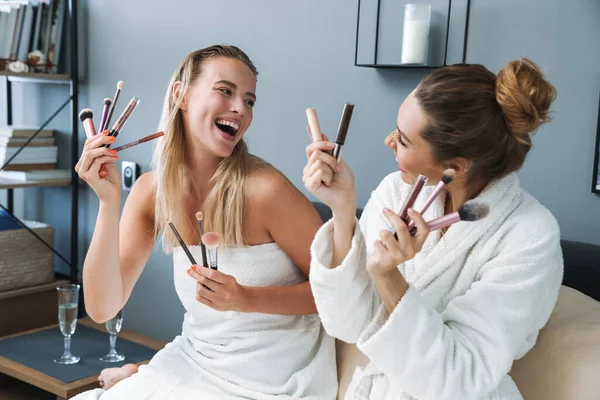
(63, 390)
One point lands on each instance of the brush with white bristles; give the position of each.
(447, 177)
(114, 103)
(472, 210)
(199, 217)
(211, 241)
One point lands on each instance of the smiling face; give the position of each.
(217, 108)
(413, 154)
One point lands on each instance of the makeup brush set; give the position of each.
(472, 210)
(87, 118)
(209, 243)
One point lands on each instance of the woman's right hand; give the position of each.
(331, 182)
(97, 166)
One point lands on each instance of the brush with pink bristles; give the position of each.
(447, 177)
(472, 210)
(211, 241)
(199, 217)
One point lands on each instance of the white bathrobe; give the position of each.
(477, 297)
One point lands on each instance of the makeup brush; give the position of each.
(183, 246)
(314, 129)
(211, 241)
(103, 118)
(414, 193)
(410, 200)
(447, 177)
(142, 140)
(199, 217)
(113, 105)
(86, 116)
(118, 126)
(472, 210)
(342, 130)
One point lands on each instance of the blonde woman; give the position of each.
(255, 333)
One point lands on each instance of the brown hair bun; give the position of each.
(525, 97)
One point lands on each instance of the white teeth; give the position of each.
(228, 123)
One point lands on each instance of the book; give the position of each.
(14, 131)
(20, 141)
(39, 175)
(29, 155)
(30, 167)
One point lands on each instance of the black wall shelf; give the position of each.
(372, 10)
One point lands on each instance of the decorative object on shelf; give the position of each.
(596, 173)
(415, 37)
(17, 66)
(36, 60)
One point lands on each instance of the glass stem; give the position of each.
(68, 345)
(113, 343)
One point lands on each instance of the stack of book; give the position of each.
(37, 161)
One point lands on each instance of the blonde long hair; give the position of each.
(225, 204)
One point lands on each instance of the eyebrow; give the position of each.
(234, 86)
(403, 134)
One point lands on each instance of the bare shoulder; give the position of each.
(267, 184)
(142, 194)
(271, 193)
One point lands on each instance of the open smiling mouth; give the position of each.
(228, 127)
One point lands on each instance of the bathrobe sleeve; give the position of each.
(465, 351)
(345, 296)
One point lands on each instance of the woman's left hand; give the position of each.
(388, 252)
(217, 290)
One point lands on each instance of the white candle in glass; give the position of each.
(415, 37)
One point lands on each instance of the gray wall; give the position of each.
(305, 52)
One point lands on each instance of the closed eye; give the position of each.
(401, 141)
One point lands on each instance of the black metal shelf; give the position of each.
(375, 64)
(72, 79)
(399, 66)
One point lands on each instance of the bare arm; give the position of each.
(118, 251)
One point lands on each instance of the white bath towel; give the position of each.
(477, 297)
(232, 355)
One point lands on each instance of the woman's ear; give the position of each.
(461, 166)
(177, 94)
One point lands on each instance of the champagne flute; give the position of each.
(113, 326)
(68, 298)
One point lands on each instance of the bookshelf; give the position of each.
(72, 79)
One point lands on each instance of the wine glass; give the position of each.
(68, 298)
(113, 326)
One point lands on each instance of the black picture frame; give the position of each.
(596, 172)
